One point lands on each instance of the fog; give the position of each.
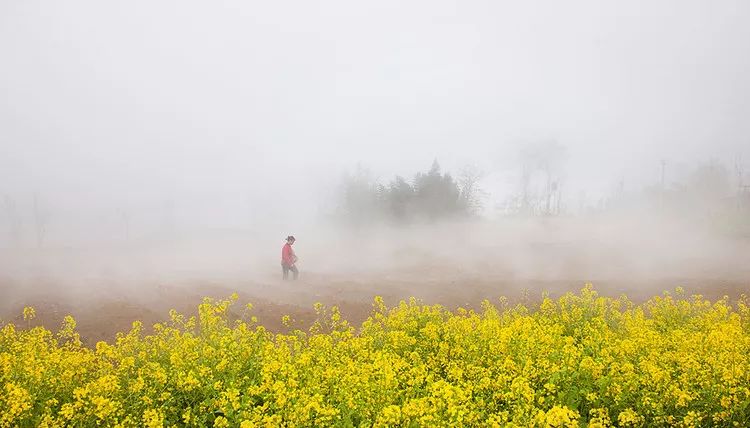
(162, 144)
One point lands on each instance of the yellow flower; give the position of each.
(629, 418)
(390, 415)
(153, 419)
(17, 401)
(29, 313)
(677, 361)
(559, 416)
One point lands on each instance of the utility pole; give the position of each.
(662, 192)
(663, 169)
(741, 187)
(40, 222)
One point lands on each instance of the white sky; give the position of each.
(253, 109)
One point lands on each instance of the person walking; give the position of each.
(289, 259)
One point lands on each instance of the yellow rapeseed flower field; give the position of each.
(579, 360)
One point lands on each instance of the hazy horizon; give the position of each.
(251, 112)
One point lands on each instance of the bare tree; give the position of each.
(14, 221)
(541, 184)
(470, 193)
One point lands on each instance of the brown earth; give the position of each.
(105, 309)
(107, 287)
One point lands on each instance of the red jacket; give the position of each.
(287, 255)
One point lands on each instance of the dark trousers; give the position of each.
(286, 270)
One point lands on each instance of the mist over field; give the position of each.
(152, 153)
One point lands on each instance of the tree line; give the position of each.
(430, 195)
